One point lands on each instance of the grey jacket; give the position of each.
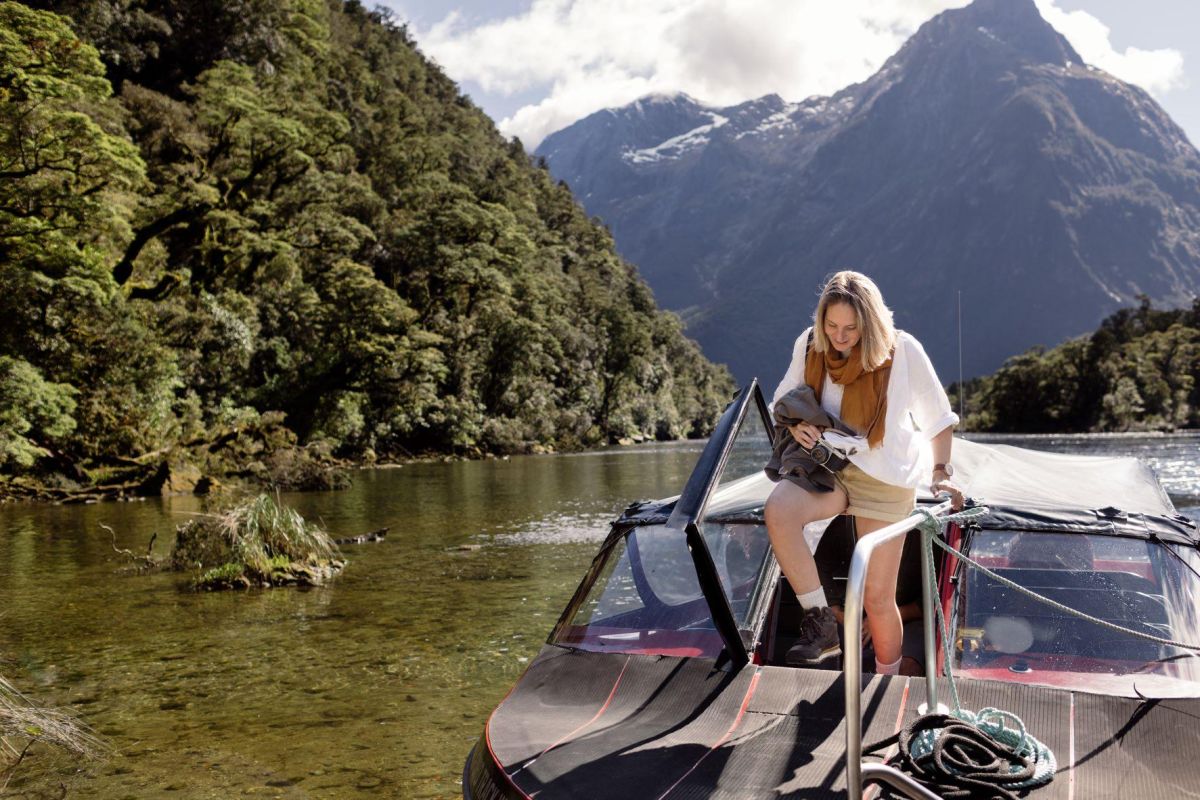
(788, 459)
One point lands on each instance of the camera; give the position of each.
(826, 455)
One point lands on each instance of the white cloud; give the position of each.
(1156, 71)
(584, 55)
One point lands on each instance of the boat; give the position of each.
(664, 676)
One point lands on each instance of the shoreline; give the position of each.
(335, 470)
(23, 490)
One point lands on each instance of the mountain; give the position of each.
(984, 158)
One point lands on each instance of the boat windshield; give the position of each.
(646, 597)
(1148, 587)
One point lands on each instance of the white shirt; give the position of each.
(917, 410)
(831, 396)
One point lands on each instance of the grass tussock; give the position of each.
(255, 543)
(40, 746)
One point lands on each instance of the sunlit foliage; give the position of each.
(285, 207)
(1139, 371)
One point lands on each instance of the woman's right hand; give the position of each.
(805, 434)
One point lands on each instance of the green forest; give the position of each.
(1140, 371)
(252, 237)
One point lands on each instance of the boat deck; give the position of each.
(625, 726)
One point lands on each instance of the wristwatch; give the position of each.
(946, 468)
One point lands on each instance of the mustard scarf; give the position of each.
(864, 401)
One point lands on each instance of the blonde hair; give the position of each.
(876, 330)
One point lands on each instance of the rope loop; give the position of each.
(998, 718)
(933, 525)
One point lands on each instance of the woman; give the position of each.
(881, 384)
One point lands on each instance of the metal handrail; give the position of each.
(855, 587)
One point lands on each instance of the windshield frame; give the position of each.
(687, 519)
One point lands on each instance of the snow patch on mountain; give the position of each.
(676, 146)
(989, 34)
(779, 122)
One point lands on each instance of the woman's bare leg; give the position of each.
(879, 600)
(788, 510)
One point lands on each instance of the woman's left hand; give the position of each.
(947, 486)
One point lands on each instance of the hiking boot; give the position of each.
(818, 639)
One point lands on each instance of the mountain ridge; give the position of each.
(983, 156)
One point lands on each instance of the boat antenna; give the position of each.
(961, 386)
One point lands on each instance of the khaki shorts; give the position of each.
(874, 499)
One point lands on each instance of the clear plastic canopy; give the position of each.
(1014, 476)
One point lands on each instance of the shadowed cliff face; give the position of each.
(984, 157)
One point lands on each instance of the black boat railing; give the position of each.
(856, 770)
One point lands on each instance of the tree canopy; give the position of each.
(1139, 371)
(278, 218)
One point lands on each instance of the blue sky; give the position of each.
(537, 65)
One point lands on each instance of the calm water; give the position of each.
(376, 686)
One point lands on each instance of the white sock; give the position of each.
(888, 669)
(813, 599)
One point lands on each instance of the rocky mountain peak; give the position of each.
(664, 98)
(1014, 28)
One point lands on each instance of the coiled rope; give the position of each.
(963, 754)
